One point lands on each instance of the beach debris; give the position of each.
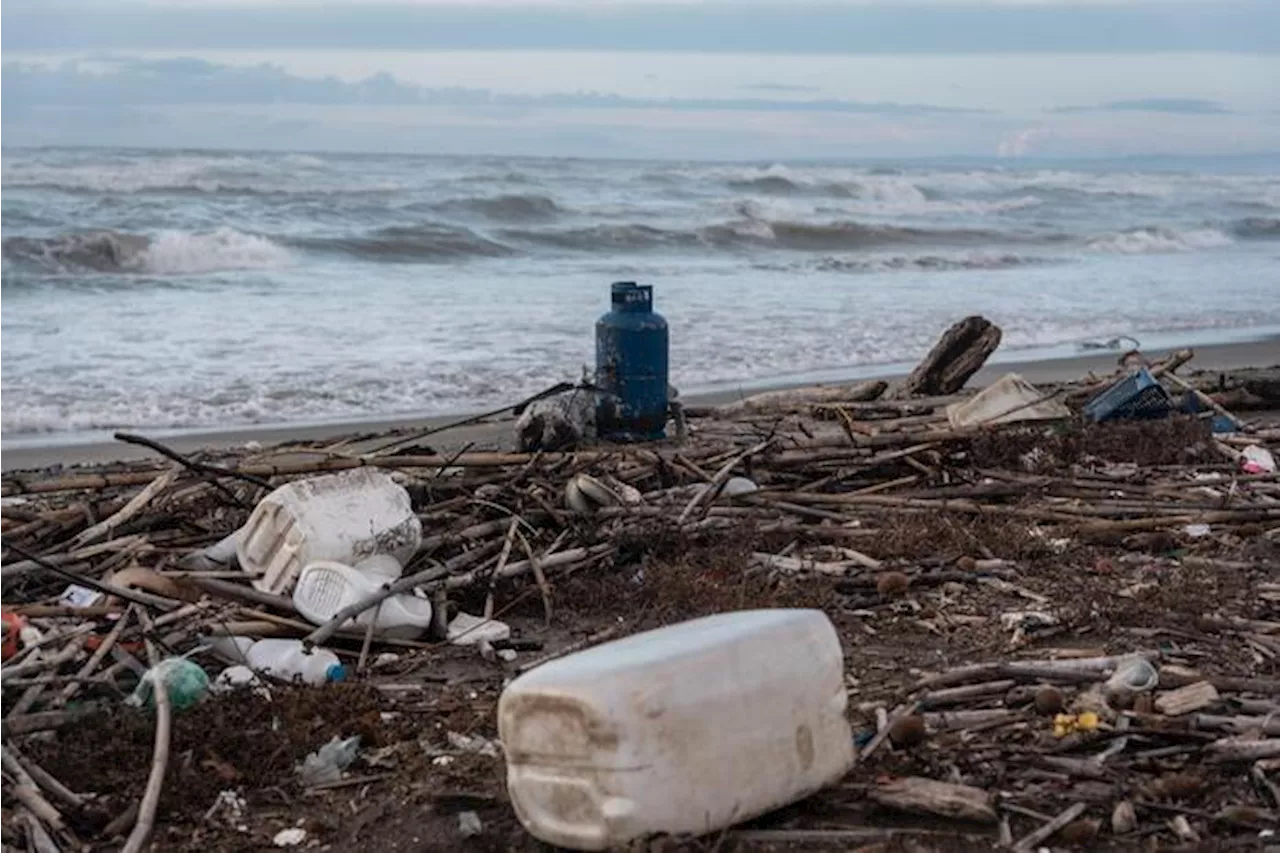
(1184, 700)
(289, 837)
(468, 630)
(1133, 676)
(907, 731)
(469, 824)
(1106, 539)
(1138, 396)
(666, 686)
(328, 763)
(343, 517)
(13, 624)
(559, 422)
(585, 494)
(1010, 399)
(801, 399)
(1065, 724)
(183, 680)
(292, 660)
(958, 354)
(917, 795)
(325, 587)
(1257, 460)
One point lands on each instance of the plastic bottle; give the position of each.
(289, 660)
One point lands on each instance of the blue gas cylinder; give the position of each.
(631, 366)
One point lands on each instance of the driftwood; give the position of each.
(926, 796)
(799, 399)
(958, 354)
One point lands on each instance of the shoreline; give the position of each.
(1255, 353)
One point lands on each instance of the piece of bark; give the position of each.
(918, 795)
(1184, 700)
(958, 354)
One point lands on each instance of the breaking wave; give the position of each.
(1140, 241)
(928, 263)
(167, 252)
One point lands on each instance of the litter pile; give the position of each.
(1059, 606)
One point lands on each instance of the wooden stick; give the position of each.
(45, 780)
(129, 510)
(198, 467)
(597, 637)
(708, 494)
(94, 660)
(111, 589)
(159, 760)
(1029, 841)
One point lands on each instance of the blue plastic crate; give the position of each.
(1139, 396)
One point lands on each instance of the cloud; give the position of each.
(771, 27)
(136, 81)
(1180, 106)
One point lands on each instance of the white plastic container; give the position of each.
(686, 729)
(325, 587)
(287, 659)
(343, 517)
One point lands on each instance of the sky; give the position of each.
(691, 79)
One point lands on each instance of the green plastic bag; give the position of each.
(184, 681)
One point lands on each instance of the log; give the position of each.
(958, 354)
(798, 399)
(917, 795)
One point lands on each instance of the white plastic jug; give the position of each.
(686, 729)
(343, 517)
(289, 660)
(325, 587)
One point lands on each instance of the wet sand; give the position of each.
(30, 454)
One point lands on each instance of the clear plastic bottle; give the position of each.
(289, 660)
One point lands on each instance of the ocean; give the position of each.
(176, 290)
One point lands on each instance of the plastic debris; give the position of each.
(328, 762)
(80, 596)
(289, 837)
(469, 824)
(476, 744)
(468, 630)
(1133, 676)
(1257, 460)
(13, 625)
(1010, 399)
(184, 682)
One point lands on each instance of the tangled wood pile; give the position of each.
(1019, 542)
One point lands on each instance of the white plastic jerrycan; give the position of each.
(686, 729)
(344, 517)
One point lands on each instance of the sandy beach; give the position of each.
(33, 454)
